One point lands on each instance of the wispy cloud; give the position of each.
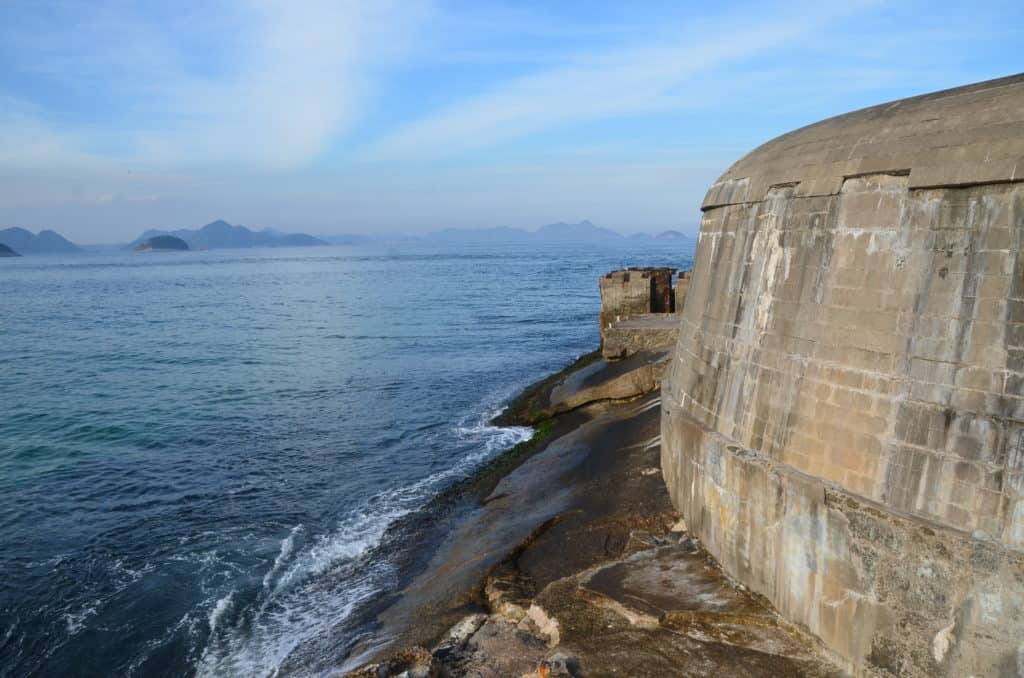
(266, 85)
(592, 86)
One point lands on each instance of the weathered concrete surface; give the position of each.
(843, 422)
(682, 288)
(636, 291)
(640, 333)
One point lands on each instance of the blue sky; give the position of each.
(411, 115)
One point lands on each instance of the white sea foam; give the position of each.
(303, 604)
(75, 621)
(355, 535)
(314, 587)
(220, 608)
(492, 438)
(287, 546)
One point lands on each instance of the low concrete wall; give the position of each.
(646, 332)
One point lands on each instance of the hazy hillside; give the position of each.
(45, 242)
(584, 231)
(222, 235)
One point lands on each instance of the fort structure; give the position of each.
(636, 311)
(843, 419)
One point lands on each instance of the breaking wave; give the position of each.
(314, 585)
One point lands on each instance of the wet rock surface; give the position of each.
(577, 565)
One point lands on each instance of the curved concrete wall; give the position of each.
(844, 417)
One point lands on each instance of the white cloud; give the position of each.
(265, 86)
(617, 82)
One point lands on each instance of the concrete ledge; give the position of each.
(887, 593)
(639, 333)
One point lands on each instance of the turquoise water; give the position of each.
(206, 457)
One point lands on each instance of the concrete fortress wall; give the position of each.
(843, 421)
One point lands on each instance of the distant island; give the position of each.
(6, 251)
(222, 235)
(664, 235)
(45, 242)
(162, 243)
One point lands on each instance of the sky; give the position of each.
(407, 116)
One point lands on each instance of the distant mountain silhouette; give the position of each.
(581, 232)
(672, 235)
(349, 239)
(221, 235)
(499, 234)
(45, 242)
(162, 243)
(6, 251)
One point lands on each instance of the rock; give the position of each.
(453, 645)
(498, 649)
(508, 593)
(410, 662)
(560, 665)
(546, 625)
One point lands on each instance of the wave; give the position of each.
(314, 586)
(75, 621)
(494, 438)
(287, 546)
(220, 608)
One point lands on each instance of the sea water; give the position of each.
(204, 455)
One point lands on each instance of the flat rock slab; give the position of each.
(547, 505)
(614, 634)
(673, 579)
(634, 376)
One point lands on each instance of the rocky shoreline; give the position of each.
(574, 563)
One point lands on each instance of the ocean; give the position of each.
(212, 463)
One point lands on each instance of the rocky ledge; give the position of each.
(576, 564)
